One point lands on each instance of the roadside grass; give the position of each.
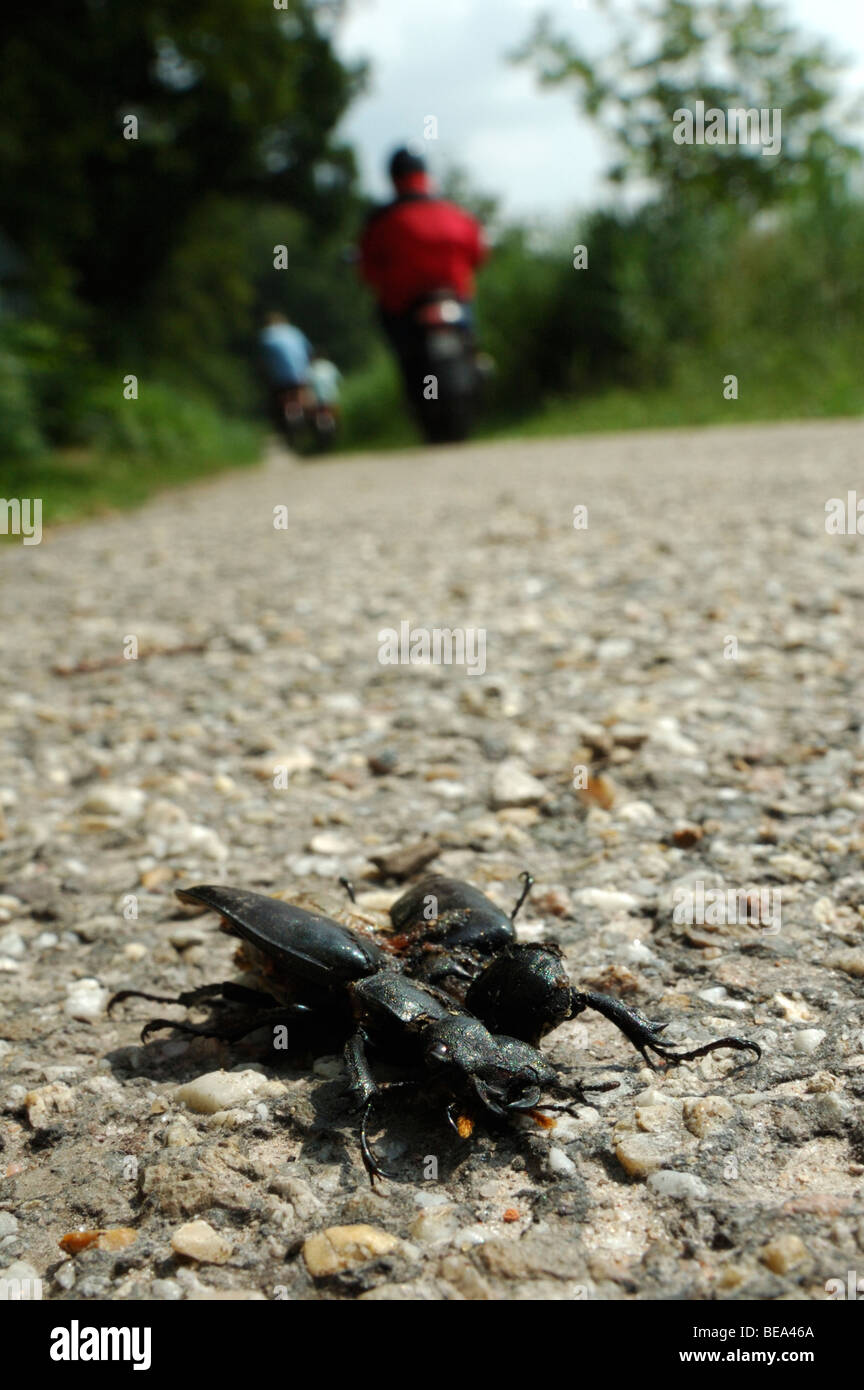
(136, 456)
(773, 385)
(75, 483)
(793, 390)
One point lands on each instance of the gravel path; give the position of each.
(696, 649)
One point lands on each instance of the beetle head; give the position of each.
(503, 1073)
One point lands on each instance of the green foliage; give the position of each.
(373, 409)
(232, 98)
(155, 255)
(161, 423)
(136, 448)
(732, 54)
(19, 433)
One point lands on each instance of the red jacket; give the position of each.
(417, 244)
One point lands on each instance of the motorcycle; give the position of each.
(439, 364)
(308, 425)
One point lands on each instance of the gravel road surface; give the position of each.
(658, 713)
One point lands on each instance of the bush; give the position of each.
(20, 436)
(162, 423)
(373, 409)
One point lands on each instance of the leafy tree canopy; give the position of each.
(234, 99)
(667, 55)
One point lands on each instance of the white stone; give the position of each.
(435, 1224)
(186, 935)
(223, 1090)
(614, 649)
(197, 1240)
(331, 843)
(717, 994)
(607, 900)
(111, 800)
(667, 1183)
(807, 1039)
(431, 1199)
(637, 953)
(13, 945)
(85, 999)
(668, 735)
(513, 785)
(559, 1162)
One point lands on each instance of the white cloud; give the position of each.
(530, 146)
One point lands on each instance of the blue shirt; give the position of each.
(286, 352)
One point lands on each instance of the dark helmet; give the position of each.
(405, 162)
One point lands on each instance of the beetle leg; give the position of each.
(156, 1025)
(577, 1094)
(448, 967)
(370, 1162)
(240, 994)
(527, 885)
(673, 1058)
(224, 1031)
(362, 1085)
(643, 1033)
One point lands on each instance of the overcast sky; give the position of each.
(448, 58)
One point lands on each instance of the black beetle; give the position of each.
(444, 927)
(525, 991)
(451, 929)
(313, 964)
(306, 960)
(416, 1022)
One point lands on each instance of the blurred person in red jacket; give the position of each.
(416, 245)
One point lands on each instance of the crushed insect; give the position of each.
(474, 1043)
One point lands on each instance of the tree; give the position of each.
(122, 121)
(729, 54)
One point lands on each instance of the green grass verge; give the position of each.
(132, 450)
(175, 440)
(75, 483)
(773, 384)
(795, 391)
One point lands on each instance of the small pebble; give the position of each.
(223, 1090)
(513, 785)
(86, 1000)
(197, 1240)
(807, 1039)
(342, 1247)
(667, 1183)
(559, 1162)
(784, 1253)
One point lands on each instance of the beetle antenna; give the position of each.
(527, 885)
(349, 888)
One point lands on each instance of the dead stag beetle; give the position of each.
(445, 927)
(316, 964)
(523, 991)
